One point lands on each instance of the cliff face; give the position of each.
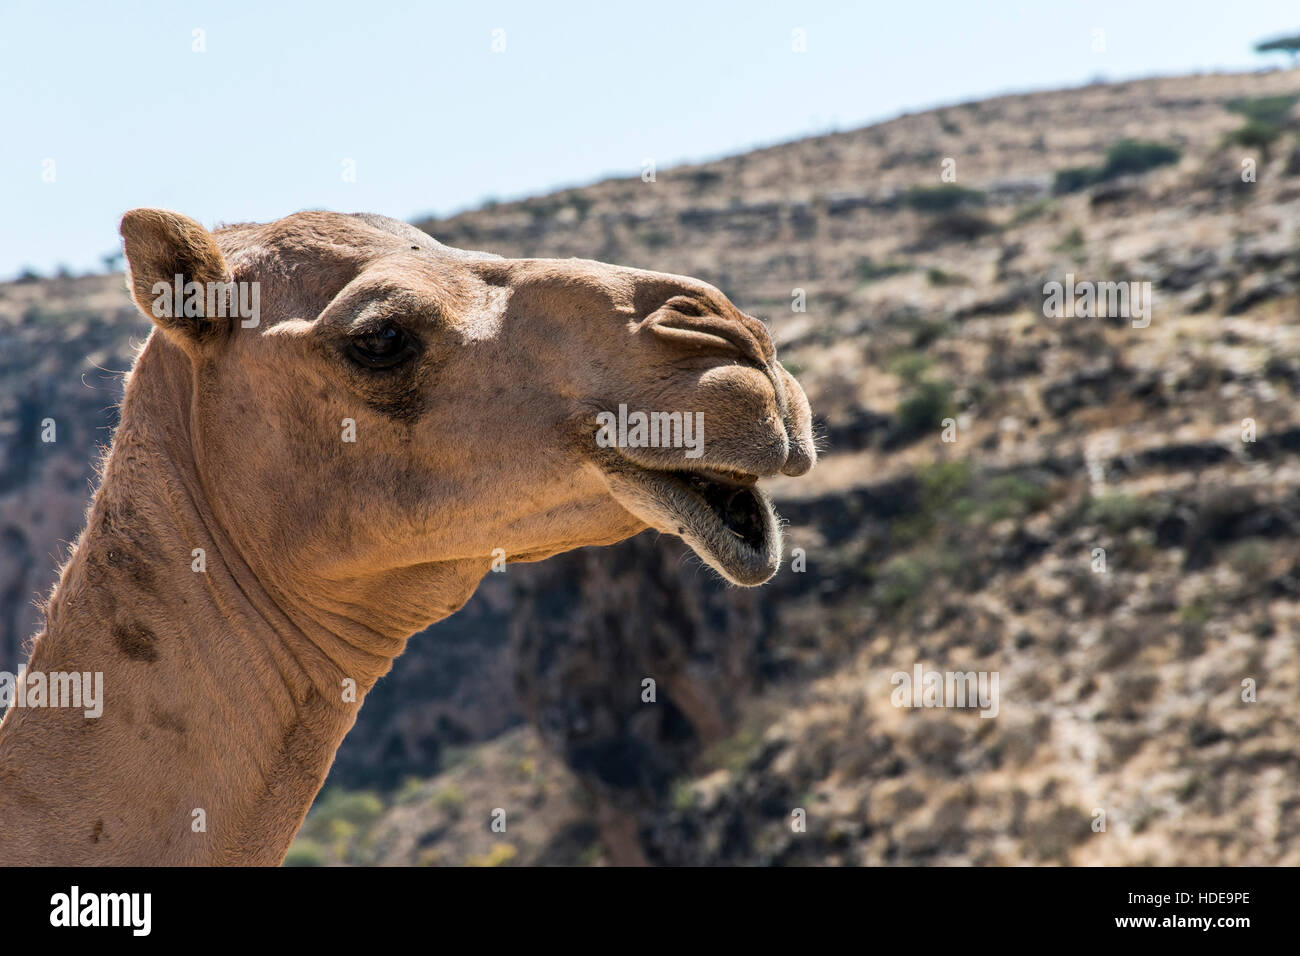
(1112, 530)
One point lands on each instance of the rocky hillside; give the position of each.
(1103, 512)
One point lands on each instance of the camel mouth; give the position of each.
(735, 504)
(721, 513)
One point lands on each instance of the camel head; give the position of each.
(396, 404)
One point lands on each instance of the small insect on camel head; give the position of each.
(366, 403)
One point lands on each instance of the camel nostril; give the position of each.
(687, 323)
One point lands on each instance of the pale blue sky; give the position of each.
(260, 124)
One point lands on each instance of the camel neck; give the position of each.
(223, 699)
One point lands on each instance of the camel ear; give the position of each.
(176, 274)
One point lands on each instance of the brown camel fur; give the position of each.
(245, 564)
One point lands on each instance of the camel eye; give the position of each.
(383, 347)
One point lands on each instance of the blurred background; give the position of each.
(890, 189)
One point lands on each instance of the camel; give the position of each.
(287, 500)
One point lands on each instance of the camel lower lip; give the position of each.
(722, 514)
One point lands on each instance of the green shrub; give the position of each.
(1011, 496)
(952, 493)
(1075, 178)
(937, 277)
(870, 271)
(905, 578)
(1251, 559)
(924, 408)
(1256, 134)
(909, 366)
(901, 580)
(1136, 156)
(946, 198)
(1274, 110)
(959, 224)
(944, 485)
(1115, 513)
(410, 791)
(305, 853)
(501, 854)
(339, 817)
(682, 795)
(450, 800)
(733, 753)
(925, 332)
(1125, 157)
(942, 499)
(357, 807)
